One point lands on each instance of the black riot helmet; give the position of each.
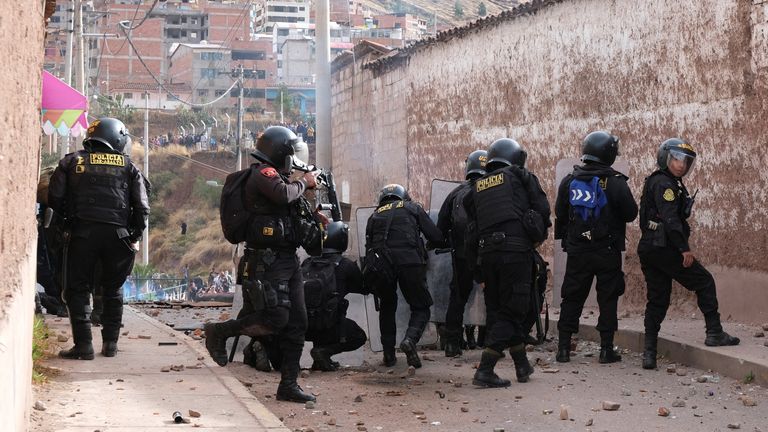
(108, 134)
(600, 147)
(476, 164)
(277, 147)
(336, 237)
(393, 192)
(505, 152)
(675, 148)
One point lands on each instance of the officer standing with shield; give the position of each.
(511, 214)
(593, 206)
(665, 254)
(103, 199)
(393, 234)
(452, 221)
(273, 295)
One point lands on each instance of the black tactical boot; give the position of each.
(523, 368)
(411, 355)
(288, 389)
(481, 336)
(81, 336)
(563, 348)
(607, 353)
(389, 357)
(322, 360)
(109, 348)
(485, 376)
(469, 333)
(531, 340)
(721, 339)
(216, 336)
(78, 352)
(649, 352)
(452, 349)
(255, 356)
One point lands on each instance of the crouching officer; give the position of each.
(327, 280)
(103, 198)
(593, 206)
(512, 215)
(665, 254)
(273, 296)
(393, 233)
(452, 222)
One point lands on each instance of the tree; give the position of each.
(481, 10)
(458, 10)
(287, 103)
(115, 107)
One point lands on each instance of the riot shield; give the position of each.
(563, 168)
(440, 268)
(403, 314)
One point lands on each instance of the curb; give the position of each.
(721, 359)
(236, 388)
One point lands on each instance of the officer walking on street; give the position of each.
(452, 222)
(103, 199)
(327, 280)
(593, 206)
(394, 232)
(665, 254)
(273, 295)
(511, 214)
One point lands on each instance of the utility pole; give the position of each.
(239, 139)
(145, 241)
(64, 149)
(323, 86)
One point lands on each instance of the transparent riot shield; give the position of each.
(563, 168)
(440, 268)
(403, 314)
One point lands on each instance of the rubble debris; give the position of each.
(62, 338)
(589, 422)
(309, 405)
(563, 412)
(39, 406)
(748, 401)
(663, 412)
(678, 403)
(734, 425)
(193, 413)
(611, 406)
(359, 398)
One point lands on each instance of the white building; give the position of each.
(286, 11)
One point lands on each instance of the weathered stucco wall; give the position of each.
(551, 72)
(21, 42)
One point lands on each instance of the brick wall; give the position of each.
(547, 75)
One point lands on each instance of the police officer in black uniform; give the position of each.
(452, 221)
(103, 198)
(511, 212)
(665, 254)
(273, 295)
(594, 244)
(394, 230)
(344, 335)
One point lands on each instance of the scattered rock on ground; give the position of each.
(588, 422)
(39, 406)
(663, 412)
(748, 401)
(734, 425)
(759, 334)
(563, 412)
(610, 406)
(193, 413)
(62, 338)
(359, 398)
(309, 405)
(678, 403)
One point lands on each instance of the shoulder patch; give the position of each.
(268, 172)
(669, 195)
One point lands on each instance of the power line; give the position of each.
(167, 90)
(143, 19)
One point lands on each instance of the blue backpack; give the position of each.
(587, 199)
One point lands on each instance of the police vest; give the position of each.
(501, 199)
(271, 225)
(100, 187)
(403, 230)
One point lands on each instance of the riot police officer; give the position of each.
(103, 199)
(329, 329)
(393, 233)
(273, 296)
(664, 252)
(511, 214)
(452, 222)
(593, 206)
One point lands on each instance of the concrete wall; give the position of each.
(549, 72)
(21, 47)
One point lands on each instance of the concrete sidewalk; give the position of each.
(132, 391)
(682, 341)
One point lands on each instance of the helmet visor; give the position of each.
(680, 163)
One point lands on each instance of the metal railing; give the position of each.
(150, 289)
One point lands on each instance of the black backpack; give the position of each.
(234, 216)
(321, 297)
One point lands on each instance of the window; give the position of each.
(193, 35)
(248, 55)
(127, 95)
(261, 74)
(144, 96)
(209, 73)
(211, 56)
(202, 93)
(220, 92)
